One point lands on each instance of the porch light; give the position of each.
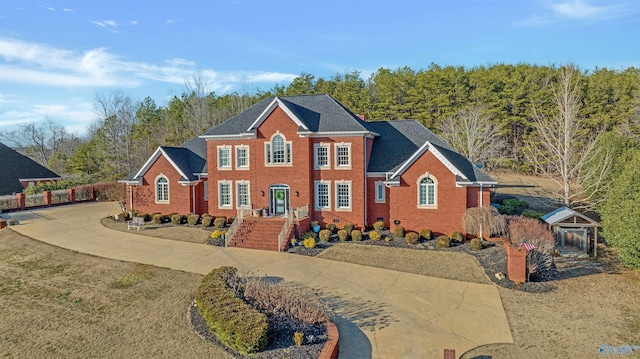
(297, 193)
(262, 193)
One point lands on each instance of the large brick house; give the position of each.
(288, 152)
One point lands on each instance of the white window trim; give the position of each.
(337, 163)
(382, 199)
(435, 192)
(317, 196)
(206, 190)
(315, 156)
(270, 143)
(230, 205)
(344, 209)
(238, 167)
(228, 148)
(155, 183)
(248, 183)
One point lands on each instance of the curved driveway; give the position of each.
(380, 313)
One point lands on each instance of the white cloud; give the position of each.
(179, 62)
(133, 23)
(578, 9)
(110, 23)
(170, 22)
(68, 10)
(6, 98)
(575, 10)
(534, 20)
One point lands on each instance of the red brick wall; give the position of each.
(376, 210)
(516, 263)
(144, 196)
(451, 200)
(473, 197)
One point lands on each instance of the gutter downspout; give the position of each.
(130, 197)
(364, 150)
(193, 199)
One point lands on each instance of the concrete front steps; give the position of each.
(260, 233)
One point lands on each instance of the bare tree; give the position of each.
(39, 141)
(471, 133)
(481, 220)
(196, 107)
(560, 143)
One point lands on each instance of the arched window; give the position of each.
(427, 191)
(278, 151)
(162, 189)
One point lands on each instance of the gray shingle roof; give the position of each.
(319, 113)
(14, 166)
(400, 139)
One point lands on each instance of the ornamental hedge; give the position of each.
(234, 322)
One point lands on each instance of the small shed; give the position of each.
(576, 234)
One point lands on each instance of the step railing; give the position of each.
(283, 232)
(301, 212)
(241, 214)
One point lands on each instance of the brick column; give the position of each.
(3, 223)
(21, 200)
(46, 196)
(72, 195)
(516, 263)
(449, 354)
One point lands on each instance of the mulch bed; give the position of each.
(280, 343)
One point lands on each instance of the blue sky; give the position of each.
(56, 55)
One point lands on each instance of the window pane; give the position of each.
(380, 192)
(268, 153)
(243, 194)
(322, 156)
(225, 157)
(278, 149)
(343, 196)
(162, 189)
(343, 155)
(225, 194)
(242, 157)
(323, 195)
(431, 198)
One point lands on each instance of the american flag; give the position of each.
(528, 246)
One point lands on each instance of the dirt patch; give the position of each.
(183, 232)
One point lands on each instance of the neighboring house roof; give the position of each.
(313, 114)
(402, 142)
(15, 167)
(189, 160)
(563, 213)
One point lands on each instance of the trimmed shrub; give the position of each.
(513, 206)
(356, 235)
(207, 221)
(158, 218)
(388, 239)
(444, 241)
(375, 236)
(348, 227)
(457, 237)
(171, 214)
(324, 235)
(476, 244)
(398, 231)
(332, 227)
(298, 338)
(176, 219)
(193, 219)
(124, 216)
(308, 234)
(529, 213)
(220, 222)
(426, 234)
(233, 321)
(412, 238)
(342, 235)
(145, 216)
(309, 242)
(218, 233)
(378, 226)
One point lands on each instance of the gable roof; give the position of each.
(188, 159)
(16, 167)
(313, 114)
(402, 142)
(562, 213)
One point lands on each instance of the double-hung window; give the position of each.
(277, 151)
(322, 194)
(343, 195)
(242, 189)
(224, 157)
(224, 194)
(162, 189)
(343, 155)
(321, 155)
(380, 192)
(242, 157)
(427, 191)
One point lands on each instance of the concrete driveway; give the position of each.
(380, 313)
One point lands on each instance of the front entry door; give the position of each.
(279, 199)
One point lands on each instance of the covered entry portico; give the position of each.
(576, 234)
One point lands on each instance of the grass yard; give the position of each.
(62, 304)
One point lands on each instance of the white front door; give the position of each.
(278, 199)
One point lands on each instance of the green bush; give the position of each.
(176, 219)
(313, 224)
(348, 227)
(342, 235)
(308, 234)
(158, 218)
(207, 221)
(233, 321)
(444, 241)
(378, 226)
(124, 216)
(298, 337)
(171, 214)
(220, 222)
(356, 235)
(193, 219)
(426, 234)
(309, 242)
(476, 244)
(513, 206)
(398, 231)
(331, 227)
(457, 237)
(375, 236)
(325, 235)
(412, 238)
(529, 213)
